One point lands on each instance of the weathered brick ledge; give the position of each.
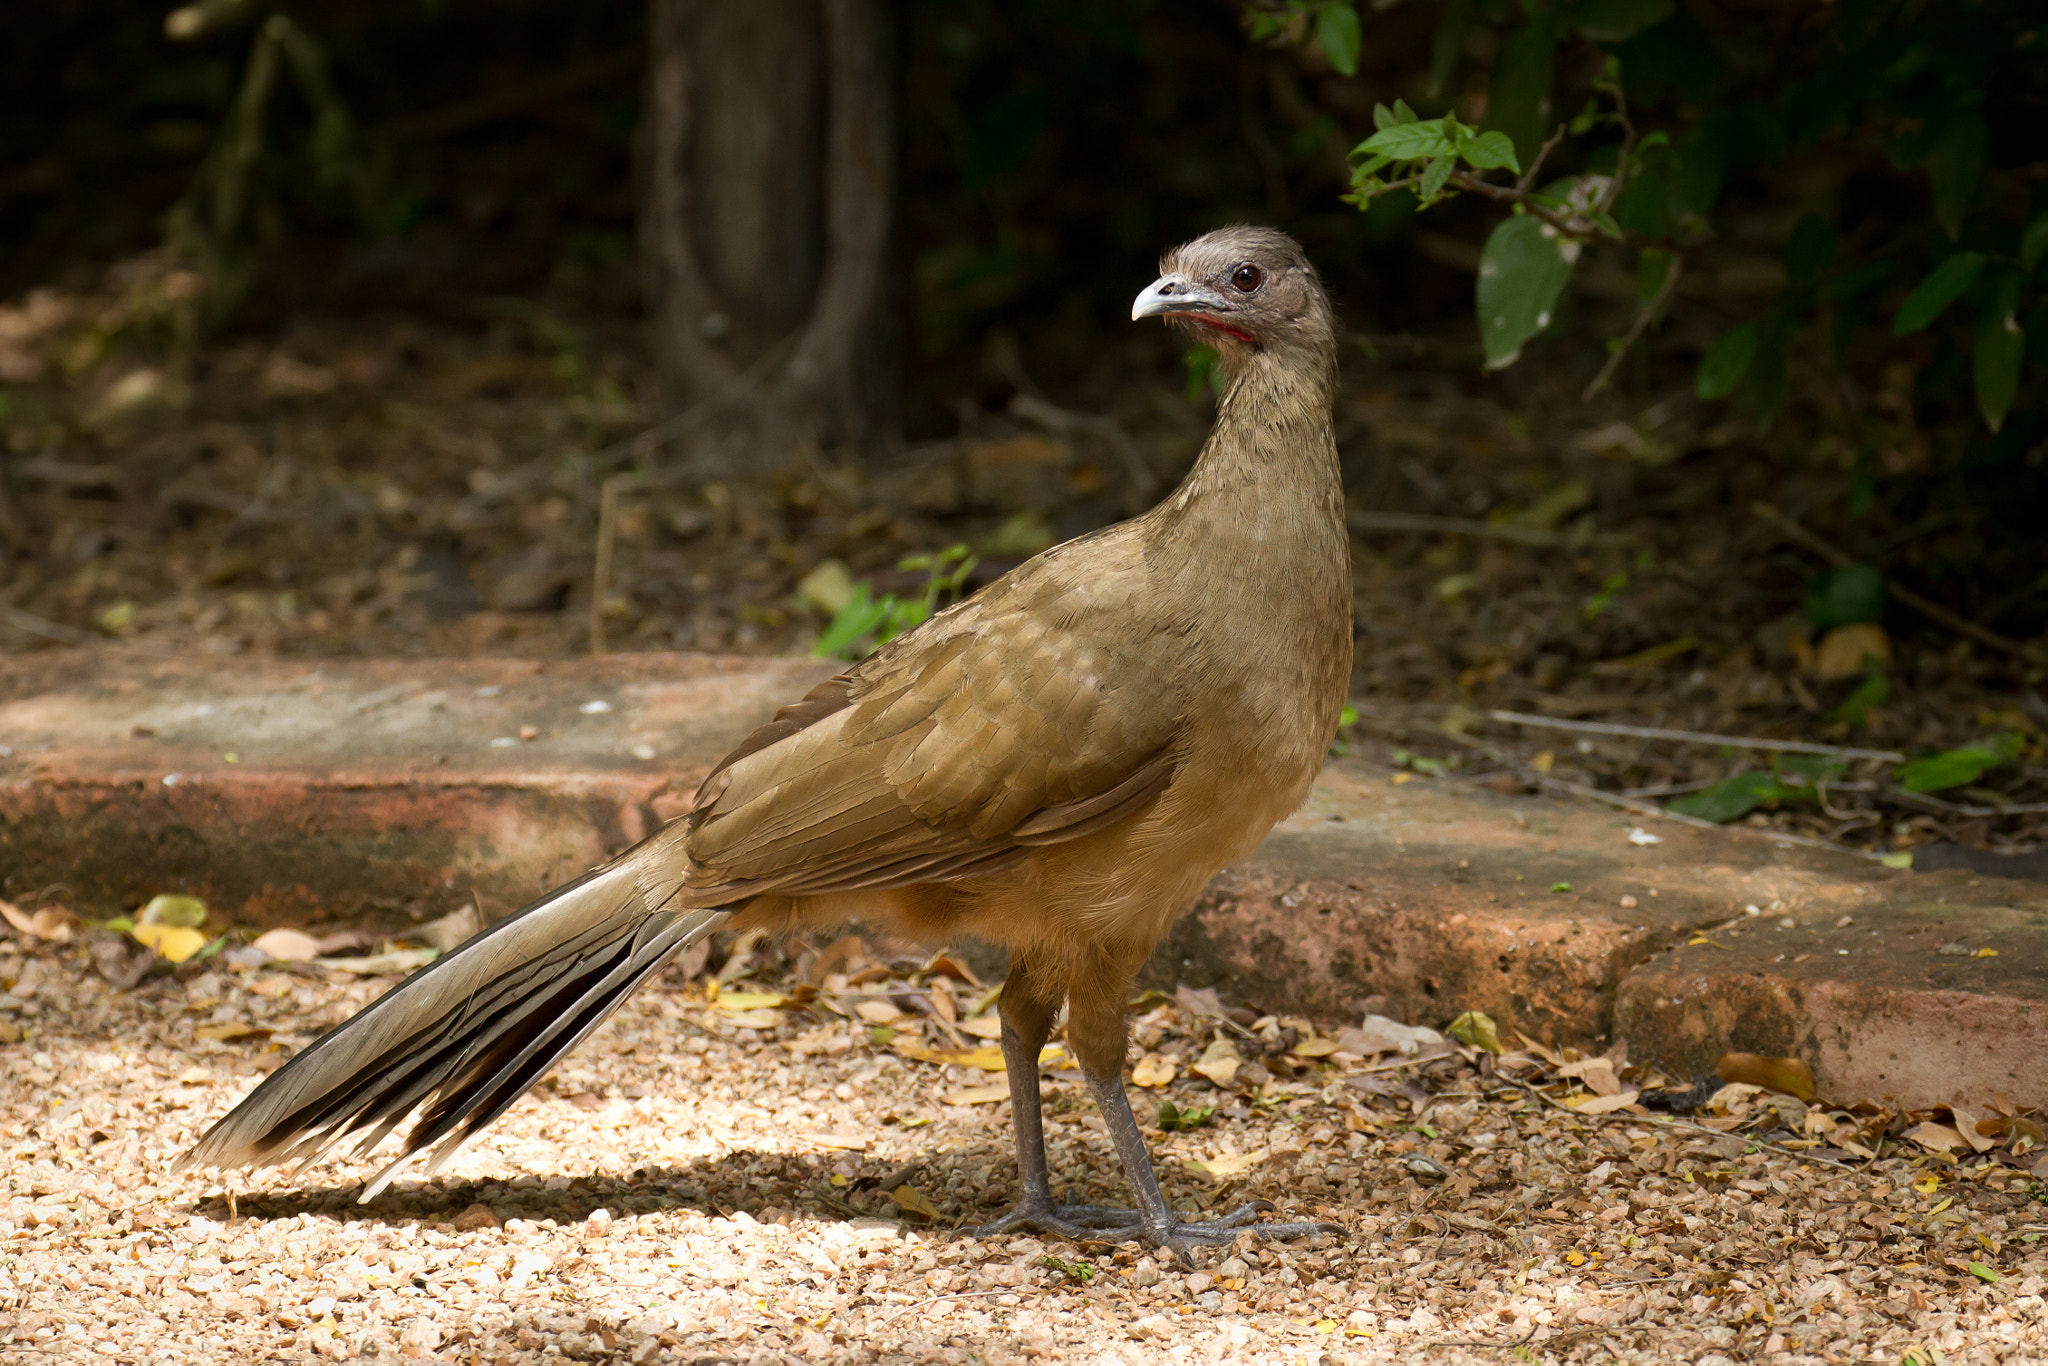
(289, 792)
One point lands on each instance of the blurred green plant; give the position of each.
(1680, 105)
(867, 622)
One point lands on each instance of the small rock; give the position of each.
(1199, 1282)
(476, 1217)
(419, 1338)
(1146, 1275)
(1233, 1267)
(1954, 950)
(598, 1224)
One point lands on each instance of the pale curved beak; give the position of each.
(1170, 294)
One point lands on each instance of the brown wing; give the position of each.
(1035, 712)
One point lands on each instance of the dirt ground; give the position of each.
(763, 1174)
(409, 486)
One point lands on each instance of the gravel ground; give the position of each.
(745, 1182)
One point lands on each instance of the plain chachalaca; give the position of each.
(1057, 764)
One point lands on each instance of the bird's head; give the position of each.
(1243, 290)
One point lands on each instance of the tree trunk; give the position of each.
(765, 196)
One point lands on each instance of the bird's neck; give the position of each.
(1272, 439)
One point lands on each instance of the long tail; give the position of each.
(464, 1037)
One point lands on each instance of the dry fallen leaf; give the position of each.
(224, 1033)
(1971, 1129)
(1604, 1105)
(381, 964)
(1219, 1062)
(1153, 1071)
(1937, 1137)
(1597, 1073)
(1789, 1076)
(45, 922)
(174, 943)
(739, 1002)
(1315, 1048)
(877, 1011)
(977, 1095)
(911, 1200)
(287, 946)
(1227, 1165)
(983, 1027)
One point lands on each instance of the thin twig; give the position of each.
(1422, 523)
(40, 626)
(1521, 1341)
(1668, 1123)
(1528, 177)
(955, 1295)
(1927, 802)
(1933, 611)
(1642, 323)
(1695, 737)
(601, 572)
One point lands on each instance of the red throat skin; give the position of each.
(1225, 328)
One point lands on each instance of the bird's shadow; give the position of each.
(743, 1179)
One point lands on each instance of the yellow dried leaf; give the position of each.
(739, 1001)
(1787, 1076)
(911, 1200)
(1604, 1105)
(983, 1027)
(1985, 953)
(1226, 1166)
(977, 1095)
(173, 942)
(1314, 1048)
(877, 1011)
(1153, 1071)
(753, 1019)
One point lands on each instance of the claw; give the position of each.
(1104, 1224)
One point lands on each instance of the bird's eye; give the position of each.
(1247, 278)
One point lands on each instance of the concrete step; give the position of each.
(292, 792)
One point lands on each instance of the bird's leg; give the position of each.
(1096, 1027)
(1027, 1021)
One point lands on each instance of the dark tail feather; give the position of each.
(464, 1037)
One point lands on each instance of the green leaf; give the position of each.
(1726, 362)
(1204, 364)
(1384, 118)
(1434, 177)
(860, 618)
(1476, 1029)
(1841, 597)
(1942, 287)
(1175, 1120)
(1902, 859)
(1490, 151)
(1521, 273)
(1337, 29)
(1409, 141)
(2001, 343)
(166, 908)
(1725, 801)
(2034, 244)
(1983, 1273)
(1617, 21)
(1954, 167)
(1518, 97)
(1955, 767)
(1873, 692)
